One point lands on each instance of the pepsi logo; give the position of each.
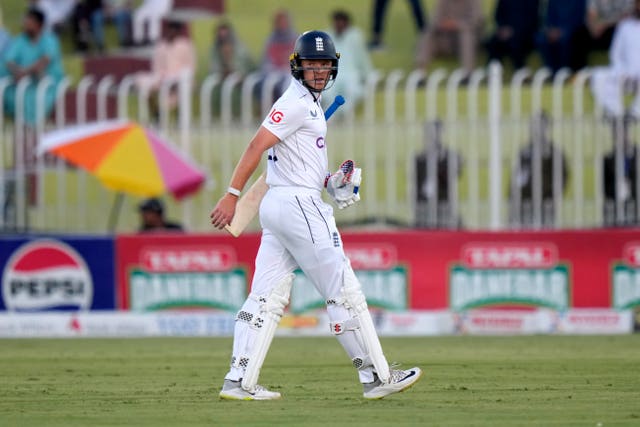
(45, 275)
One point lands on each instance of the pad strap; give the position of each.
(339, 328)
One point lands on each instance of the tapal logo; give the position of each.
(219, 258)
(631, 254)
(372, 256)
(497, 255)
(46, 274)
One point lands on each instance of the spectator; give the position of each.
(437, 171)
(355, 64)
(56, 12)
(516, 26)
(35, 53)
(457, 27)
(540, 171)
(173, 58)
(149, 15)
(228, 53)
(120, 12)
(379, 11)
(278, 47)
(88, 25)
(620, 176)
(610, 83)
(597, 31)
(153, 219)
(560, 23)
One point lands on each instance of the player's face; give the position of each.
(316, 72)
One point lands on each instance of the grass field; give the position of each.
(479, 381)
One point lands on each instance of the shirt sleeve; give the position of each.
(285, 118)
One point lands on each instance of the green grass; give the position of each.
(480, 381)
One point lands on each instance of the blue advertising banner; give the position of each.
(55, 272)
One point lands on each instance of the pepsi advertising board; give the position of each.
(57, 273)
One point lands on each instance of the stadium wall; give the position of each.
(416, 282)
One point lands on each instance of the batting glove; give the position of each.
(344, 185)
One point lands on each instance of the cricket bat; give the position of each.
(247, 207)
(249, 204)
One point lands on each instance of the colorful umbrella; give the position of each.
(126, 157)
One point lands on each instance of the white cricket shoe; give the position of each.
(232, 390)
(400, 381)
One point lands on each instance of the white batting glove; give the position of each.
(344, 185)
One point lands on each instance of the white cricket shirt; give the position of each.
(300, 158)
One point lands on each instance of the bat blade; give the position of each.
(247, 207)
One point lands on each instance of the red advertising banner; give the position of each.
(420, 270)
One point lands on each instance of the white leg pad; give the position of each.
(270, 314)
(356, 300)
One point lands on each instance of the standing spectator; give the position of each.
(457, 27)
(88, 25)
(279, 44)
(379, 11)
(516, 26)
(437, 171)
(540, 169)
(610, 83)
(34, 53)
(228, 53)
(149, 15)
(355, 63)
(597, 31)
(173, 58)
(560, 24)
(620, 176)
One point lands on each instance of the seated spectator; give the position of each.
(149, 16)
(173, 58)
(597, 32)
(88, 25)
(277, 48)
(355, 64)
(35, 53)
(515, 32)
(540, 169)
(153, 219)
(457, 27)
(228, 53)
(609, 84)
(120, 13)
(56, 13)
(437, 171)
(620, 176)
(560, 22)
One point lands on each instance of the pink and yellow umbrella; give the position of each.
(126, 157)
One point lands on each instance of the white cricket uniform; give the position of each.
(606, 82)
(298, 227)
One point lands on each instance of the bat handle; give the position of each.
(337, 102)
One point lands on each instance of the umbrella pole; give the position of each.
(115, 211)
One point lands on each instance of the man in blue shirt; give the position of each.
(34, 53)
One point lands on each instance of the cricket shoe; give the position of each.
(232, 390)
(400, 380)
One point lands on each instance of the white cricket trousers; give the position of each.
(150, 13)
(299, 230)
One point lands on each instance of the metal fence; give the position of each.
(492, 170)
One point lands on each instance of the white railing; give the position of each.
(486, 119)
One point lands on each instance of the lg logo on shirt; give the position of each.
(276, 116)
